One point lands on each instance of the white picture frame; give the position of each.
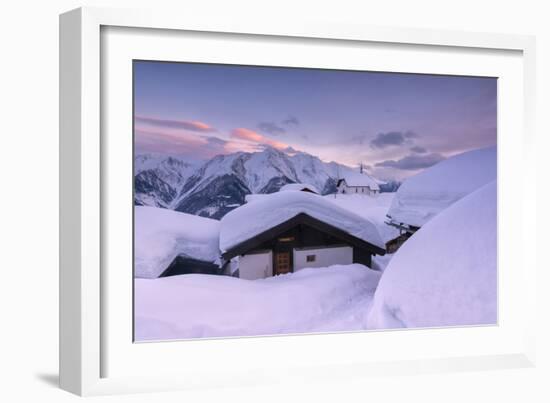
(90, 341)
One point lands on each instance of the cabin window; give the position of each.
(310, 258)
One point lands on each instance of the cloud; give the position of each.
(247, 134)
(412, 162)
(194, 126)
(254, 137)
(419, 150)
(276, 128)
(271, 128)
(185, 144)
(214, 140)
(394, 138)
(291, 121)
(360, 139)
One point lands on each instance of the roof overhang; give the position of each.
(298, 219)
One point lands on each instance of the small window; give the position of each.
(310, 258)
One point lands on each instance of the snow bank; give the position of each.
(161, 235)
(252, 219)
(446, 273)
(299, 187)
(423, 196)
(373, 209)
(381, 262)
(255, 197)
(197, 305)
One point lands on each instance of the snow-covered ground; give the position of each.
(161, 235)
(372, 208)
(330, 299)
(446, 273)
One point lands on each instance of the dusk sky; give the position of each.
(396, 124)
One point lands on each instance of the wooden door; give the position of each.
(282, 263)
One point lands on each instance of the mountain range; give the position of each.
(217, 186)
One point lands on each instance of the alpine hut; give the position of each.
(288, 231)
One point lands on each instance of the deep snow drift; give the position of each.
(446, 273)
(336, 298)
(253, 218)
(161, 235)
(423, 196)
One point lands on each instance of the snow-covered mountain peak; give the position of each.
(217, 186)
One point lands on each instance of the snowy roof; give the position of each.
(161, 235)
(423, 196)
(361, 179)
(446, 274)
(299, 186)
(252, 219)
(373, 209)
(255, 197)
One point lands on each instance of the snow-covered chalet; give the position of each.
(358, 183)
(287, 231)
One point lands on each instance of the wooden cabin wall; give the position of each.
(362, 256)
(303, 236)
(393, 245)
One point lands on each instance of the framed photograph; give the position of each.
(246, 202)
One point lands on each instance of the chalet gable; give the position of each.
(300, 219)
(356, 179)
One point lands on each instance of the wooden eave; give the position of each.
(298, 219)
